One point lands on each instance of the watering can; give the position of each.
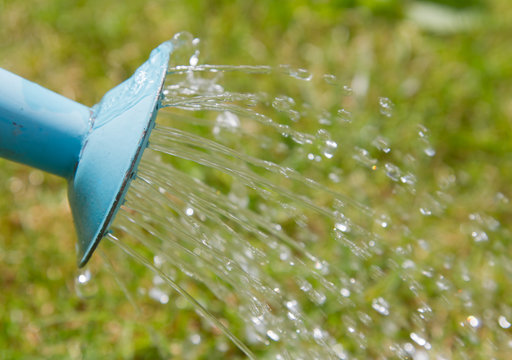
(95, 149)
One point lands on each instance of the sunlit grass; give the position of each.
(455, 82)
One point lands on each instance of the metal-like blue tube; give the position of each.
(40, 128)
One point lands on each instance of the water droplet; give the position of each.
(327, 145)
(324, 118)
(344, 116)
(341, 226)
(386, 106)
(363, 156)
(291, 316)
(381, 306)
(318, 334)
(195, 339)
(392, 171)
(488, 221)
(473, 321)
(409, 348)
(491, 223)
(284, 253)
(273, 335)
(429, 151)
(334, 177)
(15, 185)
(383, 220)
(84, 277)
(182, 39)
(442, 283)
(305, 285)
(283, 103)
(322, 266)
(479, 236)
(504, 323)
(408, 264)
(475, 217)
(159, 295)
(330, 147)
(301, 74)
(408, 179)
(425, 211)
(85, 287)
(381, 144)
(361, 83)
(317, 297)
(194, 59)
(226, 121)
(229, 265)
(36, 177)
(428, 273)
(339, 351)
(292, 305)
(158, 261)
(423, 131)
(348, 90)
(425, 312)
(345, 292)
(222, 346)
(298, 137)
(501, 198)
(157, 280)
(257, 320)
(330, 79)
(423, 355)
(293, 115)
(418, 339)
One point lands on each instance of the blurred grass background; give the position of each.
(448, 63)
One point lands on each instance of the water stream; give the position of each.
(299, 225)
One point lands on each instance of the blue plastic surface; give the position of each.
(97, 149)
(123, 121)
(40, 128)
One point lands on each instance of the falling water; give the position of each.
(300, 225)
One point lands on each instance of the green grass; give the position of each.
(455, 81)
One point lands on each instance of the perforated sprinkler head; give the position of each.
(96, 149)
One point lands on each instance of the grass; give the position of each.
(456, 80)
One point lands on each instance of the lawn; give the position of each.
(443, 65)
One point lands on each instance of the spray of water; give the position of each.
(299, 227)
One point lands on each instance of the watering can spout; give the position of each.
(96, 149)
(39, 127)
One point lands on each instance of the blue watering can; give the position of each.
(96, 149)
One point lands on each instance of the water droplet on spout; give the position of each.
(85, 286)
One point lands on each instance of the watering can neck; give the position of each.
(39, 127)
(96, 149)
